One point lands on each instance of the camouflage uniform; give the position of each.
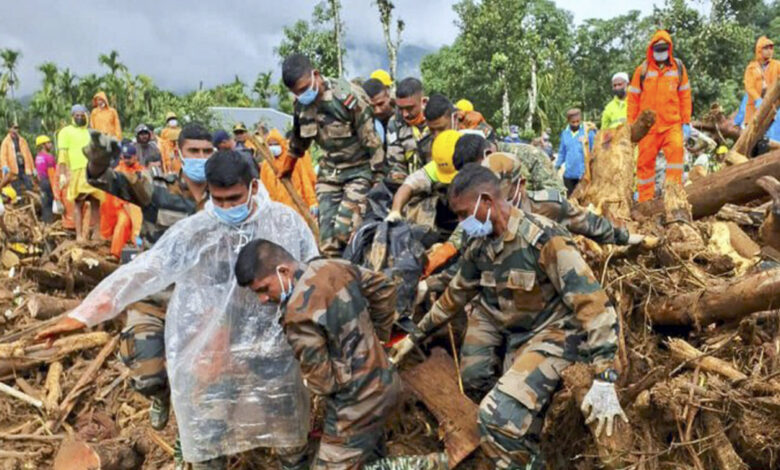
(342, 125)
(408, 149)
(428, 205)
(541, 172)
(335, 321)
(538, 301)
(164, 200)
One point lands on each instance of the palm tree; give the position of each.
(66, 84)
(10, 58)
(49, 71)
(262, 88)
(111, 60)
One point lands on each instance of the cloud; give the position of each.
(183, 44)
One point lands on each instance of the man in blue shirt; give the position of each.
(576, 144)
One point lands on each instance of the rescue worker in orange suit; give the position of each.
(302, 178)
(660, 84)
(104, 118)
(121, 221)
(760, 76)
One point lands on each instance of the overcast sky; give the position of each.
(180, 43)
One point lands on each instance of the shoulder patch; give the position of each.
(348, 93)
(545, 195)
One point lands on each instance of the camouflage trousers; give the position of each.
(511, 415)
(353, 433)
(342, 206)
(142, 349)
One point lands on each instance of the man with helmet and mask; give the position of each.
(234, 382)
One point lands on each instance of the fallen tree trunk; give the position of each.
(18, 356)
(722, 450)
(435, 383)
(723, 128)
(736, 184)
(43, 307)
(725, 302)
(770, 228)
(762, 119)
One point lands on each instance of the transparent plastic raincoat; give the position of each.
(235, 384)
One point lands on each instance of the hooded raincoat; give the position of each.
(8, 161)
(760, 76)
(235, 384)
(302, 176)
(663, 88)
(105, 120)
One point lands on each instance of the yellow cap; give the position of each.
(442, 152)
(42, 139)
(722, 150)
(170, 115)
(464, 105)
(239, 126)
(9, 192)
(382, 76)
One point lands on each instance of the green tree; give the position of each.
(316, 40)
(263, 89)
(10, 81)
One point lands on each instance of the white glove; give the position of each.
(647, 242)
(422, 290)
(393, 216)
(635, 239)
(401, 349)
(602, 402)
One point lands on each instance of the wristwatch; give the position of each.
(608, 375)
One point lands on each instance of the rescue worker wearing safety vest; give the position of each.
(760, 76)
(423, 195)
(660, 84)
(614, 114)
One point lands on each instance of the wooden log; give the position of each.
(722, 451)
(43, 307)
(106, 455)
(742, 243)
(615, 451)
(53, 388)
(435, 383)
(18, 356)
(692, 357)
(762, 119)
(736, 184)
(723, 128)
(770, 228)
(725, 302)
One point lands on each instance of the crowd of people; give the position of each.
(256, 321)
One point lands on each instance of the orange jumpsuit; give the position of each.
(105, 120)
(666, 91)
(302, 177)
(120, 221)
(169, 149)
(760, 76)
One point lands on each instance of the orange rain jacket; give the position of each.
(759, 77)
(303, 178)
(8, 156)
(120, 221)
(667, 91)
(105, 120)
(169, 149)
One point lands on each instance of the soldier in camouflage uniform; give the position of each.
(540, 303)
(408, 139)
(335, 316)
(337, 115)
(164, 200)
(541, 172)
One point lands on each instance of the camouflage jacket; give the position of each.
(335, 320)
(408, 149)
(527, 278)
(540, 169)
(164, 200)
(574, 218)
(342, 124)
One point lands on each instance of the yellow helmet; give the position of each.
(382, 76)
(170, 115)
(42, 139)
(9, 192)
(442, 152)
(464, 105)
(721, 150)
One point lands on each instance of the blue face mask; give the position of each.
(307, 97)
(286, 293)
(195, 169)
(475, 228)
(236, 214)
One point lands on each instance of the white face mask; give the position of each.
(661, 56)
(173, 123)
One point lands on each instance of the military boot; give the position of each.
(160, 411)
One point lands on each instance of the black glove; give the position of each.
(100, 152)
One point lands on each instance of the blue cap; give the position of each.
(128, 149)
(78, 108)
(219, 137)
